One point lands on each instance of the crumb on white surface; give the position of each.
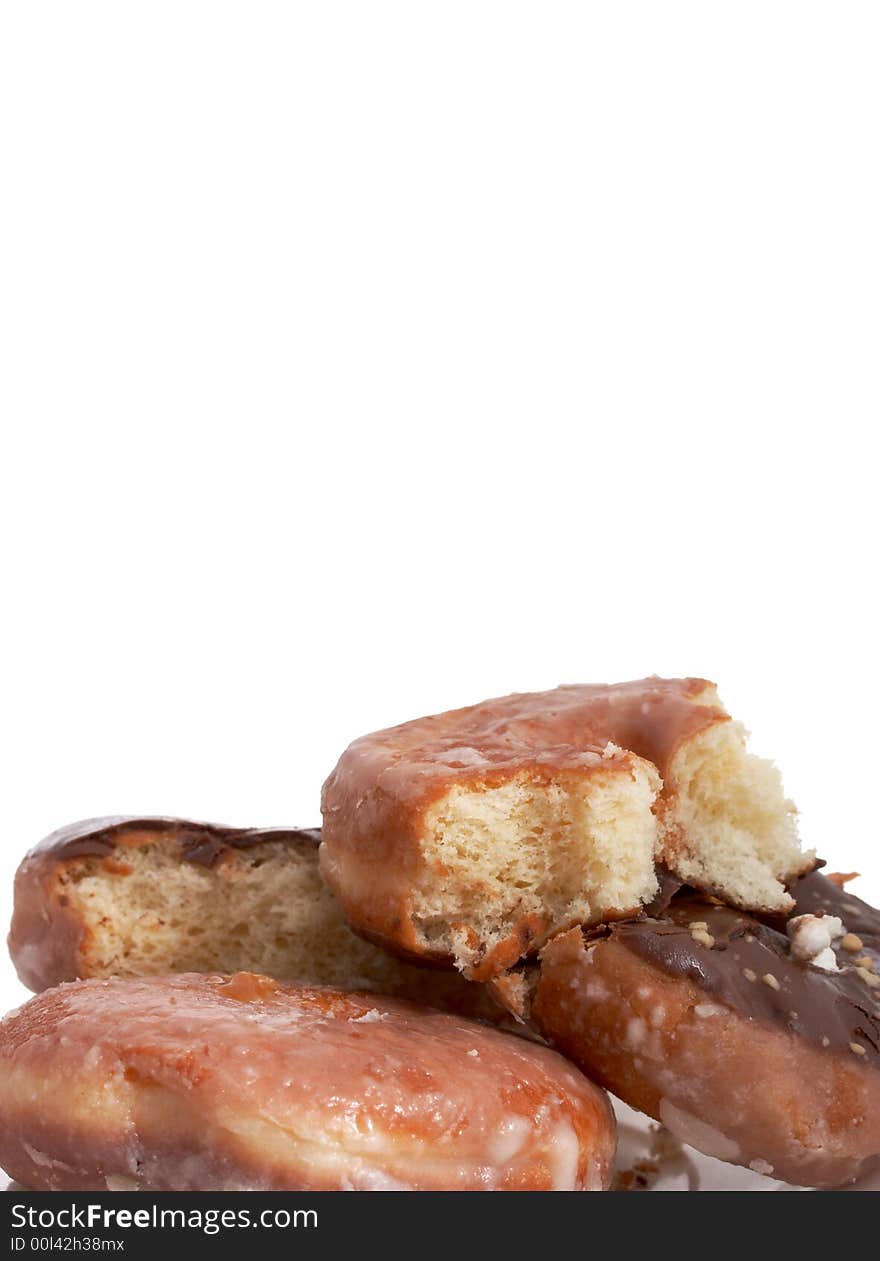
(761, 1166)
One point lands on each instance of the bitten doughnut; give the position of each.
(201, 1082)
(756, 1044)
(474, 836)
(140, 896)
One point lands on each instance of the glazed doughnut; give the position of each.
(203, 1082)
(756, 1044)
(474, 836)
(138, 897)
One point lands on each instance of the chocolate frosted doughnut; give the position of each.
(130, 896)
(472, 837)
(755, 1045)
(201, 1082)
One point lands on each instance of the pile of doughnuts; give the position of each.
(510, 910)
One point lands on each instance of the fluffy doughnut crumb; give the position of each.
(545, 855)
(265, 911)
(144, 909)
(729, 826)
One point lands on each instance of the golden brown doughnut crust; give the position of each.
(199, 1082)
(375, 800)
(702, 1019)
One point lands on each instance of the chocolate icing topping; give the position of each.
(817, 895)
(201, 843)
(841, 1007)
(668, 885)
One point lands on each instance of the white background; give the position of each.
(362, 360)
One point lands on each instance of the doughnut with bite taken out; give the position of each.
(128, 896)
(474, 836)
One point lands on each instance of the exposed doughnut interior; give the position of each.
(571, 850)
(265, 910)
(730, 828)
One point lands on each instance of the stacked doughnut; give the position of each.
(235, 1034)
(604, 869)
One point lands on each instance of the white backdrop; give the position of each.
(362, 360)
